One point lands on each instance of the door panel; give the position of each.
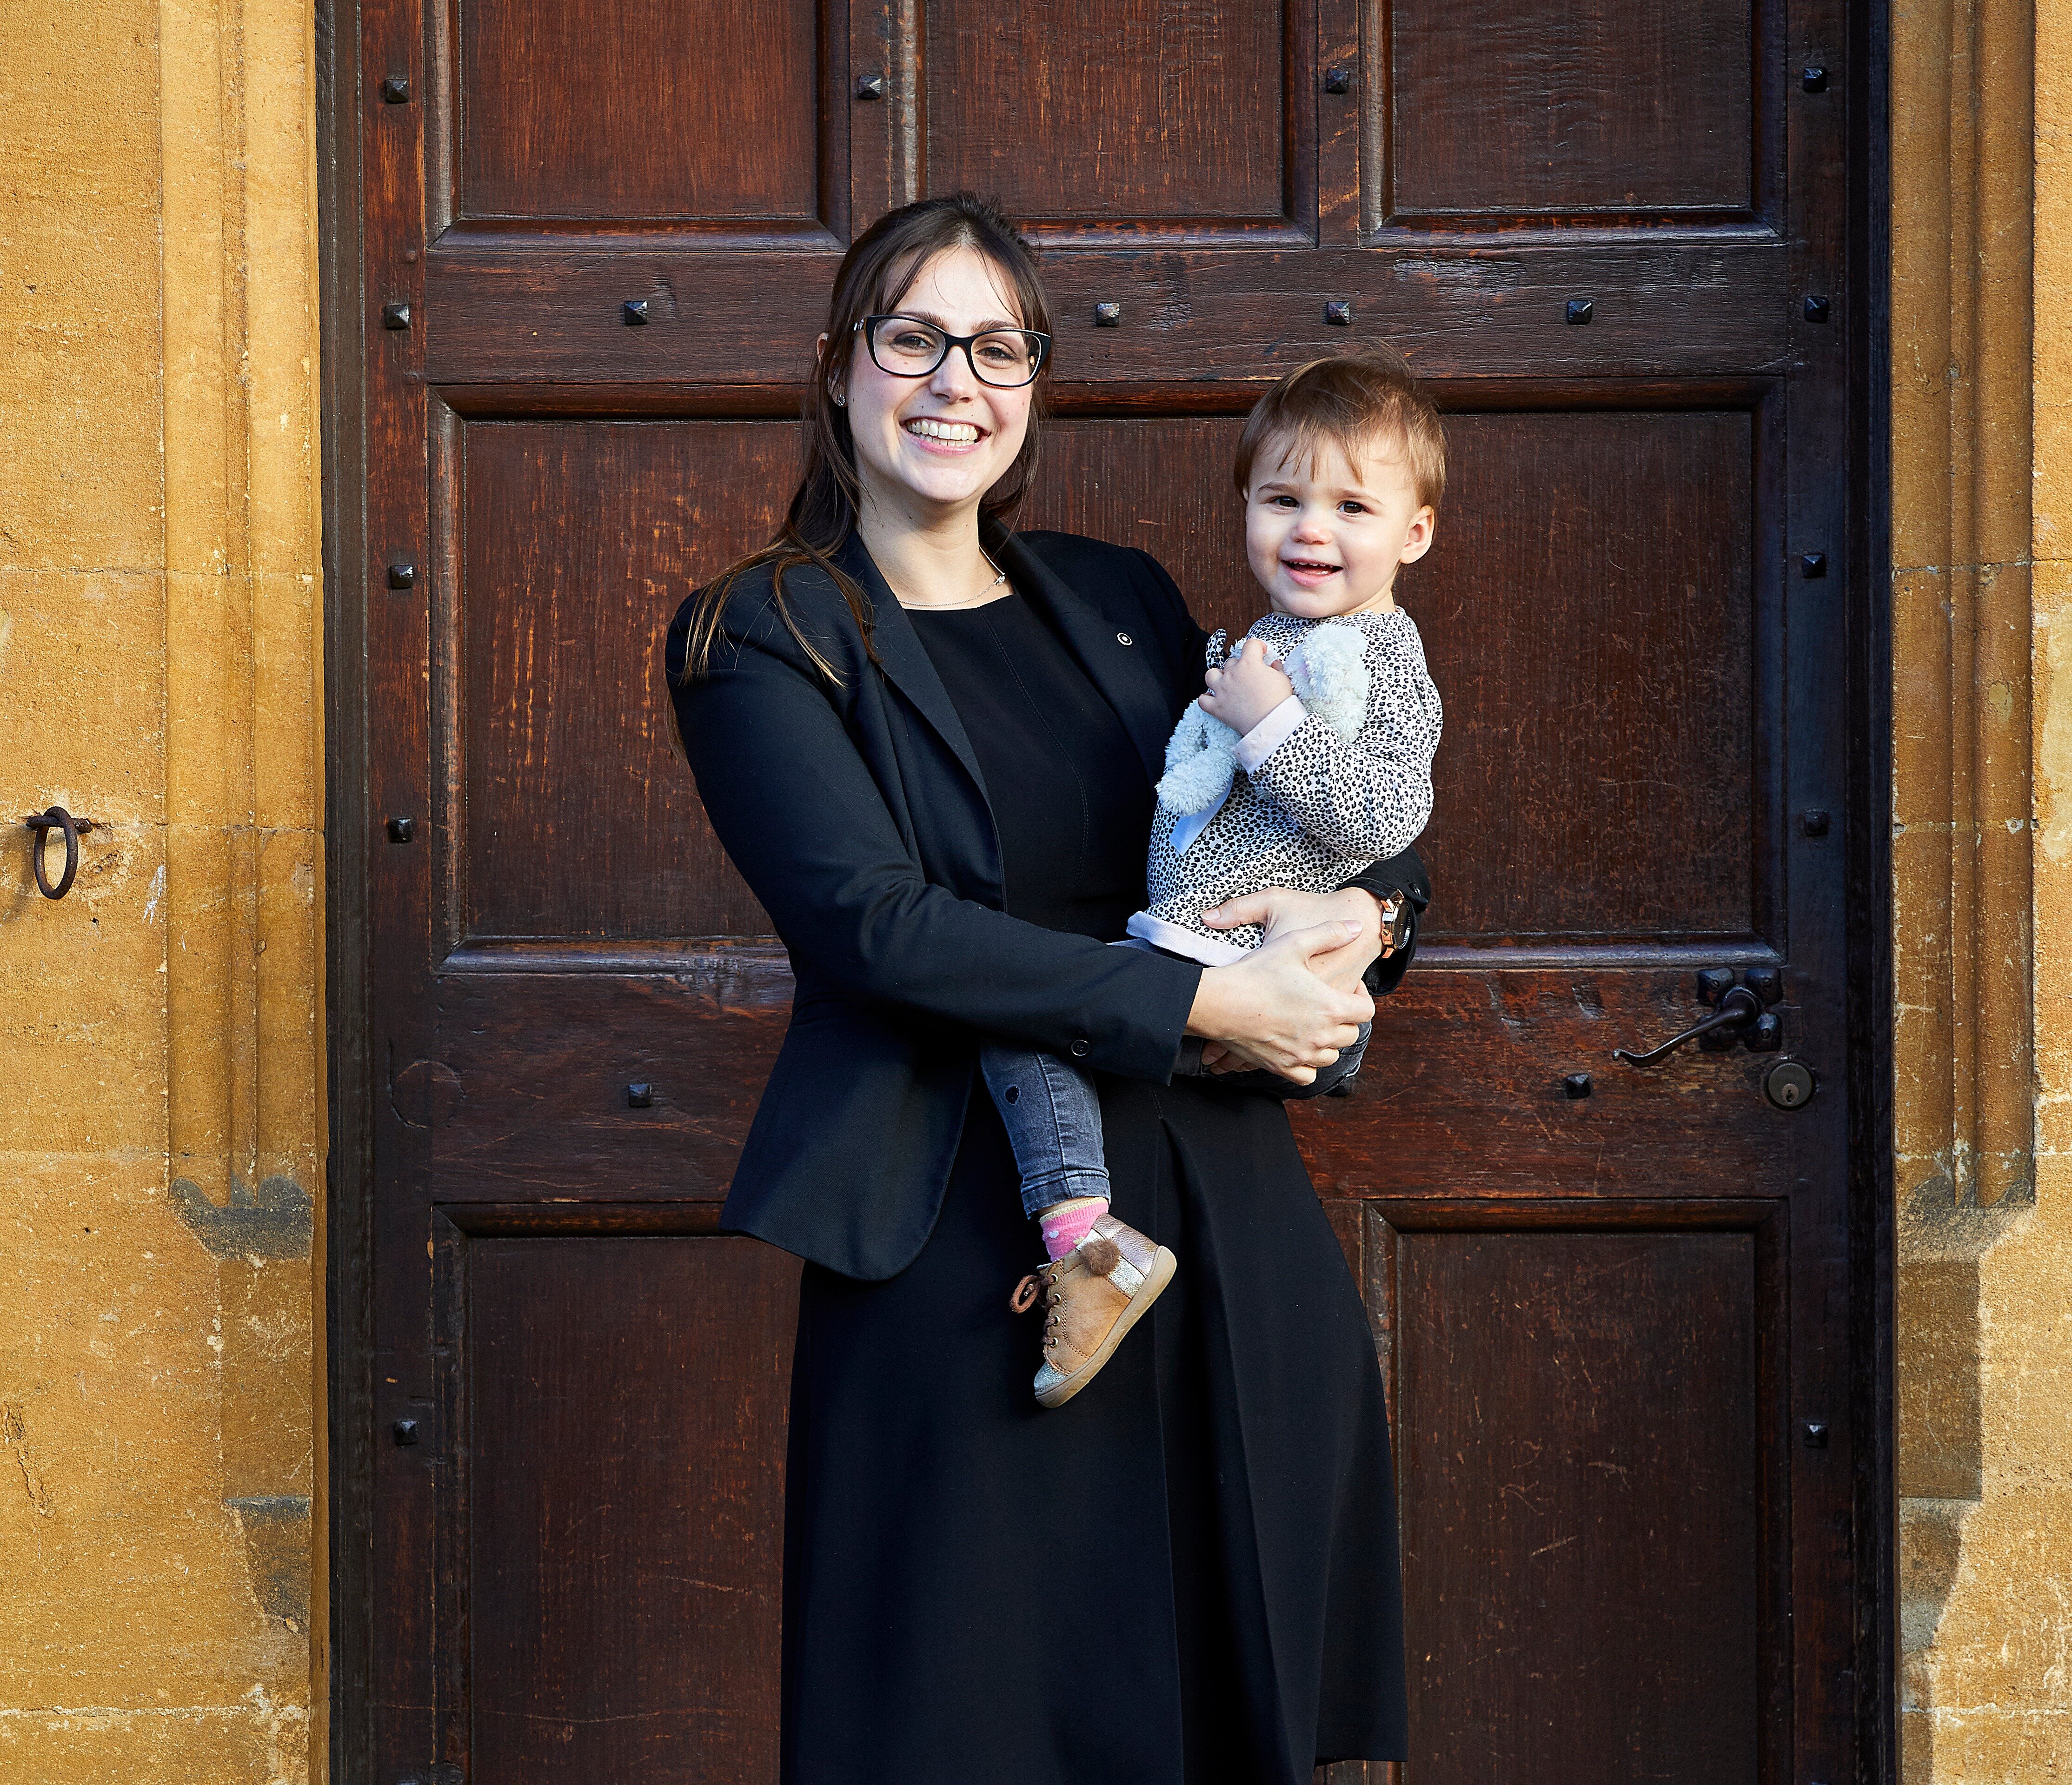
(1606, 1299)
(581, 822)
(1546, 108)
(1597, 605)
(1591, 1417)
(627, 1397)
(1158, 114)
(703, 110)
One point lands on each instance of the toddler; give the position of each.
(1327, 710)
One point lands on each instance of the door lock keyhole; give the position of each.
(1789, 1085)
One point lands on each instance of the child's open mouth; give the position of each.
(1310, 569)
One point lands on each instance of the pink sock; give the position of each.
(1065, 1224)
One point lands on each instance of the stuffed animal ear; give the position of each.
(1329, 669)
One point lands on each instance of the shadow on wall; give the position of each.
(276, 1223)
(251, 1231)
(1941, 1240)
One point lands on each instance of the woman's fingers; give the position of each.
(1306, 948)
(1253, 908)
(1317, 939)
(1321, 938)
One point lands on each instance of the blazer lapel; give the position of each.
(1125, 674)
(905, 660)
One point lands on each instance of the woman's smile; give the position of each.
(937, 433)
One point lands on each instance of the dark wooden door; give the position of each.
(1614, 1305)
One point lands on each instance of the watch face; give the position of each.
(1395, 922)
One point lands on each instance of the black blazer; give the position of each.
(857, 814)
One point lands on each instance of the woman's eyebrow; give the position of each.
(935, 321)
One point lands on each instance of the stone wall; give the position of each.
(1981, 816)
(161, 1103)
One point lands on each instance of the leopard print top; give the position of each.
(1316, 808)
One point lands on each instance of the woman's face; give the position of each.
(928, 447)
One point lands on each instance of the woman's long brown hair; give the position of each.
(876, 274)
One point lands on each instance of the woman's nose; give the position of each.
(954, 378)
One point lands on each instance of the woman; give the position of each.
(929, 745)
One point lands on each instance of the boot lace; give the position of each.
(1042, 1283)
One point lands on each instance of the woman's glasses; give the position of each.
(908, 347)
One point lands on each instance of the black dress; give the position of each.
(1189, 1574)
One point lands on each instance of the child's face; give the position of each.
(1328, 537)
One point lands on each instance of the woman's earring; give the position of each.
(841, 401)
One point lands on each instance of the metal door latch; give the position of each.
(1742, 1016)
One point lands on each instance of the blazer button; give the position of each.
(1124, 638)
(1081, 1048)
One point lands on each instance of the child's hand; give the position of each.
(1245, 689)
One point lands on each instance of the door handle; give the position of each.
(1738, 1008)
(1741, 1016)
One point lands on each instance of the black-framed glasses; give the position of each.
(908, 347)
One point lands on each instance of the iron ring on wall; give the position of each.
(43, 824)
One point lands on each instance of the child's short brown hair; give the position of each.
(1349, 400)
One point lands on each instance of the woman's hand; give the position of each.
(1284, 910)
(1272, 1009)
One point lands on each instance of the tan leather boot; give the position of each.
(1092, 1296)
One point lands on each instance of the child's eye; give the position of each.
(1353, 507)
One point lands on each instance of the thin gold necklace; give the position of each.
(978, 600)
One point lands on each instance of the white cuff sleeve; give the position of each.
(1271, 733)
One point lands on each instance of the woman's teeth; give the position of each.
(961, 432)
